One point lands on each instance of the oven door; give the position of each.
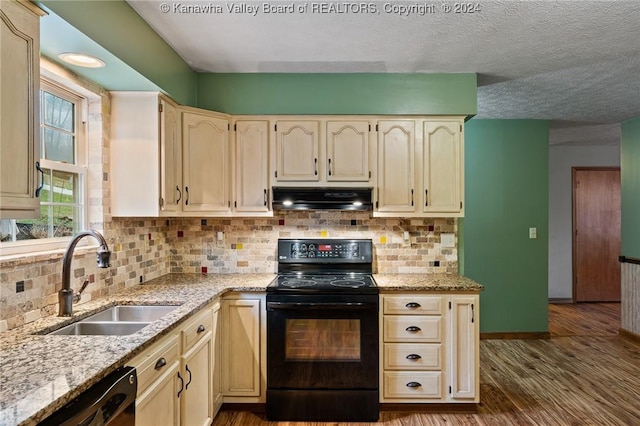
(322, 342)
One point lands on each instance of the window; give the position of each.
(63, 161)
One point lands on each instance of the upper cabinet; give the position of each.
(348, 151)
(322, 152)
(297, 151)
(396, 159)
(251, 161)
(420, 168)
(442, 171)
(19, 86)
(206, 162)
(146, 165)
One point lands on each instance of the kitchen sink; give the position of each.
(131, 313)
(84, 328)
(117, 320)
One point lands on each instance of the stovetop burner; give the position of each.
(324, 266)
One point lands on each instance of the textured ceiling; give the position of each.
(575, 62)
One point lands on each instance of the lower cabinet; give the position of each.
(429, 348)
(176, 376)
(243, 348)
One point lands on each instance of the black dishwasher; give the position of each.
(110, 401)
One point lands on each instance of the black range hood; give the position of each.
(286, 198)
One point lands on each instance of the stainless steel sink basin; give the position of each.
(131, 313)
(118, 320)
(84, 328)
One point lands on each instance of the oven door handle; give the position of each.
(271, 306)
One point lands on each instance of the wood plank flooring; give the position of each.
(585, 374)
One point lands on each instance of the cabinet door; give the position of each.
(19, 85)
(396, 143)
(159, 403)
(252, 159)
(464, 348)
(348, 151)
(196, 405)
(241, 347)
(297, 151)
(205, 163)
(216, 390)
(442, 177)
(170, 158)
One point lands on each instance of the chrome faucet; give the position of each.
(65, 295)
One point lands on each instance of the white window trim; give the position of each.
(17, 249)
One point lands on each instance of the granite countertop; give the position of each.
(40, 373)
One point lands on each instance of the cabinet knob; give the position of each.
(412, 305)
(413, 385)
(200, 329)
(413, 357)
(413, 329)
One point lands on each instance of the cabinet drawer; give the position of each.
(412, 356)
(196, 328)
(409, 384)
(412, 305)
(425, 329)
(152, 363)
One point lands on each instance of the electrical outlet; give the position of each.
(533, 233)
(447, 240)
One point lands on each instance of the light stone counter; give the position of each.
(39, 373)
(426, 282)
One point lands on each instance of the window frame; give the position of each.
(80, 168)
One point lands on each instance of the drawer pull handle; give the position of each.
(190, 376)
(200, 329)
(181, 384)
(413, 357)
(413, 385)
(412, 305)
(160, 363)
(413, 329)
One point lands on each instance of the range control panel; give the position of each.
(308, 251)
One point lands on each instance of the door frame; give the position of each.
(574, 171)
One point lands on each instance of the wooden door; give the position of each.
(297, 151)
(251, 161)
(170, 157)
(441, 167)
(596, 234)
(205, 163)
(396, 144)
(348, 151)
(196, 404)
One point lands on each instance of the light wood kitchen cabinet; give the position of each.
(297, 150)
(159, 381)
(429, 350)
(216, 389)
(347, 150)
(442, 166)
(196, 399)
(251, 161)
(19, 129)
(206, 163)
(176, 376)
(420, 168)
(322, 152)
(396, 161)
(146, 155)
(465, 357)
(243, 348)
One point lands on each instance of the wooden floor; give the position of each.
(585, 374)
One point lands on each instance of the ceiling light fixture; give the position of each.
(82, 60)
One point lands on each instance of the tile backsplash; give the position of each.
(143, 249)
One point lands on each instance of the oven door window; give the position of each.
(322, 340)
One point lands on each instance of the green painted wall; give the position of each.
(630, 187)
(338, 93)
(506, 193)
(118, 28)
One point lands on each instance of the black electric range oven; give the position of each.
(322, 332)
